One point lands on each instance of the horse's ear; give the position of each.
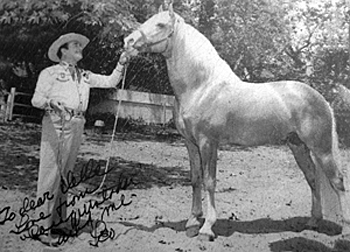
(171, 11)
(160, 8)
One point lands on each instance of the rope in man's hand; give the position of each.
(124, 60)
(113, 135)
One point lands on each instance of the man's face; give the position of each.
(74, 51)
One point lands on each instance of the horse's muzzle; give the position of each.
(134, 41)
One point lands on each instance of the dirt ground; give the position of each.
(262, 198)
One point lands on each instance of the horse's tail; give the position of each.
(335, 140)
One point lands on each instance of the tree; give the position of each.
(251, 37)
(207, 18)
(29, 27)
(262, 40)
(319, 38)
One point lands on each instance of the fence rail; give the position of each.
(7, 108)
(152, 108)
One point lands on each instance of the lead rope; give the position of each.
(113, 135)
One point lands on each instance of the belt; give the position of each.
(71, 113)
(76, 113)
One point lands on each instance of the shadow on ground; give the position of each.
(298, 244)
(165, 135)
(19, 162)
(19, 156)
(142, 175)
(226, 228)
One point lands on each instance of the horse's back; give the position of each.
(255, 114)
(298, 108)
(292, 97)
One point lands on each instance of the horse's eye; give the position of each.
(161, 25)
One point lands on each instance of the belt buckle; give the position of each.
(68, 115)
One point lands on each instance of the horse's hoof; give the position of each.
(206, 237)
(192, 231)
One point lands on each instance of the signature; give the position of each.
(28, 227)
(27, 205)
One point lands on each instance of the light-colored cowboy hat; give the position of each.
(65, 39)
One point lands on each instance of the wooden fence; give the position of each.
(151, 108)
(7, 108)
(3, 105)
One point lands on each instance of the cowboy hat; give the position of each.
(65, 39)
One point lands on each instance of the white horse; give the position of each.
(213, 106)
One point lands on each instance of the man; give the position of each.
(62, 90)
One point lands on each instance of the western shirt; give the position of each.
(57, 82)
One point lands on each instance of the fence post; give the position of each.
(10, 104)
(164, 113)
(3, 105)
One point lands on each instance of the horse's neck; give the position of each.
(194, 62)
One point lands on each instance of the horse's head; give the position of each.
(153, 35)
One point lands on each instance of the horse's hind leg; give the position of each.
(193, 224)
(302, 156)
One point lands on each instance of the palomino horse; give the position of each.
(213, 106)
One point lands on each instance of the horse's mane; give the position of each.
(203, 55)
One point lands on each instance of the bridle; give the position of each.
(149, 44)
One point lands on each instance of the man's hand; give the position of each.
(58, 107)
(126, 55)
(124, 58)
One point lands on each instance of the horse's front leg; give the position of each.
(193, 224)
(208, 153)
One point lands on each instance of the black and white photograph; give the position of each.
(175, 125)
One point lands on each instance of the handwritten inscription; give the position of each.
(9, 216)
(26, 207)
(28, 227)
(103, 235)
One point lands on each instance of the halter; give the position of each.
(149, 44)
